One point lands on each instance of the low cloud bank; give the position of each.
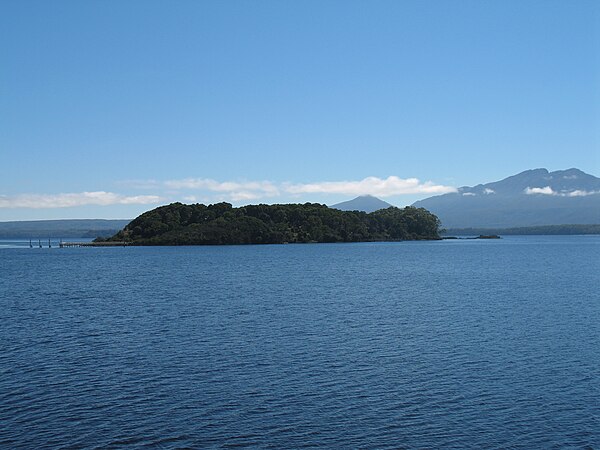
(203, 189)
(380, 187)
(236, 191)
(249, 190)
(68, 200)
(547, 190)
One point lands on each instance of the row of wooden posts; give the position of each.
(63, 244)
(40, 243)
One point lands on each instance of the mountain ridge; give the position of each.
(530, 198)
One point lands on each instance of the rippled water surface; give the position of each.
(466, 344)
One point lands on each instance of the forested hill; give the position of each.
(179, 224)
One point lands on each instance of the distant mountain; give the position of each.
(366, 203)
(531, 198)
(68, 228)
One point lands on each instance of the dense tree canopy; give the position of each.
(179, 224)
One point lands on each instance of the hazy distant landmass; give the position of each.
(68, 228)
(528, 199)
(366, 203)
(218, 224)
(531, 202)
(568, 229)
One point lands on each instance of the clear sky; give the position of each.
(110, 108)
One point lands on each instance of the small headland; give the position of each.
(222, 224)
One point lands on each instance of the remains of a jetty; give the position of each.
(93, 244)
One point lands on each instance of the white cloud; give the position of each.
(489, 191)
(243, 189)
(380, 187)
(548, 191)
(252, 190)
(193, 190)
(579, 193)
(469, 194)
(245, 195)
(68, 200)
(536, 190)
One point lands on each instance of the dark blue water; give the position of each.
(465, 344)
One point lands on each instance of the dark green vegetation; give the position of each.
(179, 224)
(539, 230)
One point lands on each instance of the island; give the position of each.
(222, 224)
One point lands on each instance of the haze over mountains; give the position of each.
(530, 198)
(68, 228)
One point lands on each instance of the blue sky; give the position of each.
(110, 108)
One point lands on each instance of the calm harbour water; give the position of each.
(464, 344)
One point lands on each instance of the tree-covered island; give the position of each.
(220, 224)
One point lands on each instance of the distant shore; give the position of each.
(567, 229)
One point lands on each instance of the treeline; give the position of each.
(568, 229)
(218, 224)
